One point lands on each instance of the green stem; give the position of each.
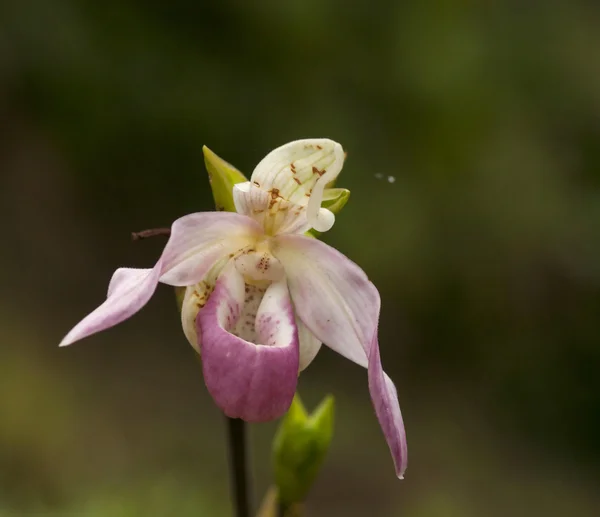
(239, 468)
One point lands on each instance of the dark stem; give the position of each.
(144, 234)
(240, 480)
(281, 509)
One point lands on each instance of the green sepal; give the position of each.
(222, 176)
(179, 296)
(299, 448)
(334, 199)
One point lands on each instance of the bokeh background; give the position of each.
(486, 247)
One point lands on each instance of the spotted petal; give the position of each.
(199, 240)
(336, 301)
(196, 243)
(194, 298)
(274, 213)
(298, 172)
(252, 381)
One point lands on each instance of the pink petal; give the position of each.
(196, 243)
(199, 240)
(255, 382)
(385, 400)
(336, 301)
(331, 294)
(309, 344)
(129, 290)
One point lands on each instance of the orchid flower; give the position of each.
(260, 296)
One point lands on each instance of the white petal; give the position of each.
(320, 219)
(299, 172)
(259, 266)
(195, 299)
(245, 327)
(274, 213)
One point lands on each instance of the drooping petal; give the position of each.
(196, 243)
(255, 382)
(331, 295)
(336, 301)
(129, 290)
(387, 408)
(299, 172)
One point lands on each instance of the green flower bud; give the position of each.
(222, 176)
(299, 449)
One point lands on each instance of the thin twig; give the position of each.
(240, 480)
(144, 234)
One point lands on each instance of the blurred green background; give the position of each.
(486, 248)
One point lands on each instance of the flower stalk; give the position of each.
(238, 464)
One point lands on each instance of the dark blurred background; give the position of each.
(486, 247)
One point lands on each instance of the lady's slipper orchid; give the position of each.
(260, 296)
